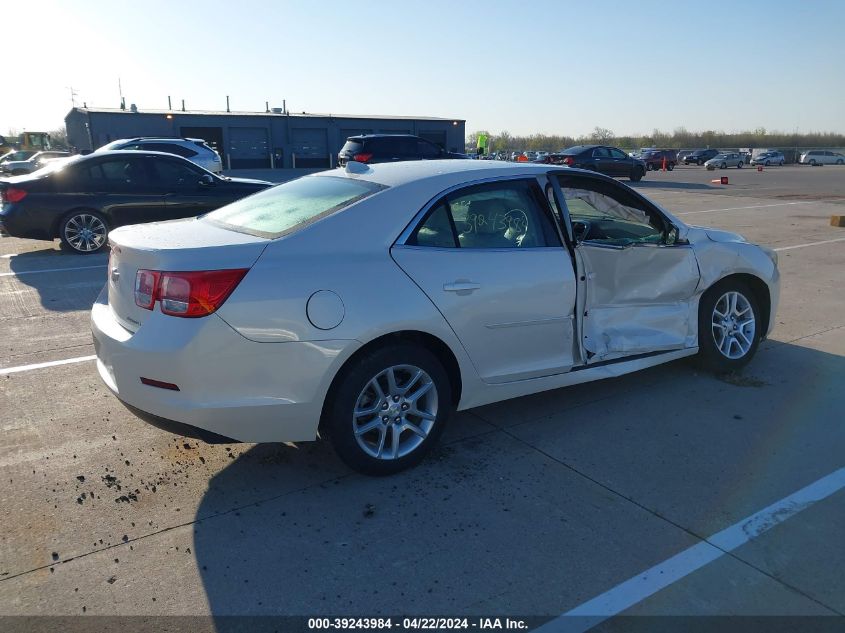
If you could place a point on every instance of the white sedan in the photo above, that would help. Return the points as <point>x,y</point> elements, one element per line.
<point>369,303</point>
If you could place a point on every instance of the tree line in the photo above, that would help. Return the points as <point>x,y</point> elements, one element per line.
<point>680,138</point>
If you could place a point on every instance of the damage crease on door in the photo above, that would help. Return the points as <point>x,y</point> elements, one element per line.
<point>638,299</point>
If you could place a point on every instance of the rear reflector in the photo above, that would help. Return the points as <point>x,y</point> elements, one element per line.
<point>186,294</point>
<point>14,194</point>
<point>160,384</point>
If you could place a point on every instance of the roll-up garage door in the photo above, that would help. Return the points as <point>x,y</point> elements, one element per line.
<point>310,145</point>
<point>248,148</point>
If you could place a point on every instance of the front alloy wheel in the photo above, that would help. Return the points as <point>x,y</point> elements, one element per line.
<point>733,325</point>
<point>729,326</point>
<point>84,232</point>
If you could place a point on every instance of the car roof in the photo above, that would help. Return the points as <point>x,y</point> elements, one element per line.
<point>447,171</point>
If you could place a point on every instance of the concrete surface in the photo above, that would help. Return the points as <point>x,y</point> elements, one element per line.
<point>530,507</point>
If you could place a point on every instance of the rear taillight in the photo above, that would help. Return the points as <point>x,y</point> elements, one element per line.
<point>186,294</point>
<point>146,283</point>
<point>363,157</point>
<point>568,160</point>
<point>14,194</point>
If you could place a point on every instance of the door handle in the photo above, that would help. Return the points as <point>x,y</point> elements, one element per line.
<point>461,287</point>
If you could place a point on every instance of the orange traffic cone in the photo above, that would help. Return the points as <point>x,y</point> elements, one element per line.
<point>664,163</point>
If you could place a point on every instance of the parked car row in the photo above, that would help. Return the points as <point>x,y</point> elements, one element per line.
<point>36,160</point>
<point>83,198</point>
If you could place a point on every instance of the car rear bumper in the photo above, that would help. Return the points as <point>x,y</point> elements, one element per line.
<point>229,388</point>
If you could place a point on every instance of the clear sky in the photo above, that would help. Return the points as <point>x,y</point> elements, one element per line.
<point>530,66</point>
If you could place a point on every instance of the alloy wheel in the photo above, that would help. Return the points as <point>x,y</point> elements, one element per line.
<point>395,412</point>
<point>85,232</point>
<point>733,325</point>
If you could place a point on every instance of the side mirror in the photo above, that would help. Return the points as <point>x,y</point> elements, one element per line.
<point>672,235</point>
<point>206,180</point>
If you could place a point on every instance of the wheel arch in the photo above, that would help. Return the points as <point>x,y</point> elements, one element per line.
<point>428,341</point>
<point>761,291</point>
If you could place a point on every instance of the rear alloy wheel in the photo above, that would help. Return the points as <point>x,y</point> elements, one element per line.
<point>739,165</point>
<point>389,409</point>
<point>728,326</point>
<point>84,232</point>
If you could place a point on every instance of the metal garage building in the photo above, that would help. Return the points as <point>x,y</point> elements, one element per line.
<point>255,140</point>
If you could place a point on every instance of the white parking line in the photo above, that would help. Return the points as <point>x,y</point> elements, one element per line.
<point>755,206</point>
<point>645,584</point>
<point>52,363</point>
<point>789,248</point>
<point>50,270</point>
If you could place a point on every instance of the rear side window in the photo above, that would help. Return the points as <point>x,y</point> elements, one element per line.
<point>508,214</point>
<point>281,209</point>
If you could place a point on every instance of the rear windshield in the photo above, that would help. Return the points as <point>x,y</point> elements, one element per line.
<point>352,147</point>
<point>281,209</point>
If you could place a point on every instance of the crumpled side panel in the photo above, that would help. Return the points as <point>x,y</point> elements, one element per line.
<point>639,299</point>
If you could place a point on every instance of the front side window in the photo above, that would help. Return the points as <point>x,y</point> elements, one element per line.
<point>600,153</point>
<point>603,214</point>
<point>507,214</point>
<point>295,204</point>
<point>616,153</point>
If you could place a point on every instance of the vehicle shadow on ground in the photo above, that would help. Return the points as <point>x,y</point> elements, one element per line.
<point>63,282</point>
<point>451,535</point>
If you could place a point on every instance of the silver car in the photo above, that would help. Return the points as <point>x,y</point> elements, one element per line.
<point>195,150</point>
<point>367,304</point>
<point>769,158</point>
<point>822,157</point>
<point>725,160</point>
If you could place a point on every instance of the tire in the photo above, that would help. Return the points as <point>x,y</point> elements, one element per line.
<point>839,162</point>
<point>648,167</point>
<point>636,174</point>
<point>739,165</point>
<point>813,162</point>
<point>373,451</point>
<point>723,166</point>
<point>84,232</point>
<point>716,334</point>
<point>670,166</point>
<point>767,163</point>
<point>781,163</point>
<point>700,163</point>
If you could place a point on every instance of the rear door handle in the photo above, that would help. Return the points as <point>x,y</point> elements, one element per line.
<point>461,287</point>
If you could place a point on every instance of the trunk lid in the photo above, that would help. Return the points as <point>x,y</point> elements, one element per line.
<point>178,245</point>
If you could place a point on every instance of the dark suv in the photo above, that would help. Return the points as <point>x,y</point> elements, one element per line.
<point>700,156</point>
<point>653,159</point>
<point>387,148</point>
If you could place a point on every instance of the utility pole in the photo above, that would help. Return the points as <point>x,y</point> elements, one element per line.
<point>73,95</point>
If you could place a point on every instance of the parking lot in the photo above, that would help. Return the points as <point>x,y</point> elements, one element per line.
<point>604,498</point>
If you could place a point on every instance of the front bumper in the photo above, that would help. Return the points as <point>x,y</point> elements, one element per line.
<point>229,387</point>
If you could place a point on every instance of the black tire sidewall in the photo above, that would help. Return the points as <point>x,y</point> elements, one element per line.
<point>66,245</point>
<point>637,174</point>
<point>337,421</point>
<point>709,355</point>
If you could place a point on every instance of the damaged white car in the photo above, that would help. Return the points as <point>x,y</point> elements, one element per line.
<point>367,304</point>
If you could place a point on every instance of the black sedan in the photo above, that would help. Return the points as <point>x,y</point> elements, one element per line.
<point>602,158</point>
<point>81,199</point>
<point>700,156</point>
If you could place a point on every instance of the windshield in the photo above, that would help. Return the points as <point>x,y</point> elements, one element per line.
<point>279,210</point>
